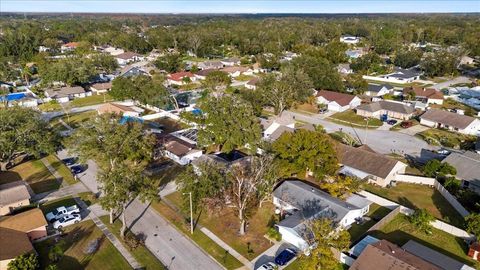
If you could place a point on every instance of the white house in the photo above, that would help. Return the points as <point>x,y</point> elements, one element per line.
<point>337,102</point>
<point>400,76</point>
<point>65,94</point>
<point>426,95</point>
<point>210,65</point>
<point>101,88</point>
<point>298,201</point>
<point>364,163</point>
<point>252,83</point>
<point>237,71</point>
<point>275,126</point>
<point>230,62</point>
<point>113,51</point>
<point>451,121</point>
<point>128,57</point>
<point>349,39</point>
<point>68,47</point>
<point>375,90</point>
<point>180,151</point>
<point>344,69</point>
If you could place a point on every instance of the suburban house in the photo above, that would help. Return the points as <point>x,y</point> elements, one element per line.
<point>344,69</point>
<point>23,99</point>
<point>65,94</point>
<point>180,146</point>
<point>378,90</point>
<point>13,195</point>
<point>366,164</point>
<point>466,60</point>
<point>386,255</point>
<point>451,121</point>
<point>68,47</point>
<point>222,160</point>
<point>275,126</point>
<point>252,83</point>
<point>434,257</point>
<point>31,222</point>
<point>349,39</point>
<point>113,51</point>
<point>337,102</point>
<point>127,57</point>
<point>288,56</point>
<point>13,243</point>
<point>468,168</point>
<point>130,71</point>
<point>202,74</point>
<point>181,78</point>
<point>119,109</point>
<point>381,108</point>
<point>101,88</point>
<point>230,62</point>
<point>298,202</point>
<point>210,65</point>
<point>399,75</point>
<point>426,95</point>
<point>354,53</point>
<point>235,71</point>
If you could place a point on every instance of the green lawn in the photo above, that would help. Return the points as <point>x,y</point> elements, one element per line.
<point>34,173</point>
<point>420,196</point>
<point>349,116</point>
<point>295,265</point>
<point>376,213</point>
<point>91,100</point>
<point>244,78</point>
<point>141,253</point>
<point>400,230</point>
<point>448,139</point>
<point>344,138</point>
<point>50,106</point>
<point>77,239</point>
<point>213,249</point>
<point>63,170</point>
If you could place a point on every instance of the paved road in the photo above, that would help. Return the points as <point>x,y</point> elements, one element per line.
<point>88,177</point>
<point>457,80</point>
<point>382,141</point>
<point>49,115</point>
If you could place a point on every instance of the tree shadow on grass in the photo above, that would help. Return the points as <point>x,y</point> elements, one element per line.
<point>9,176</point>
<point>407,203</point>
<point>447,211</point>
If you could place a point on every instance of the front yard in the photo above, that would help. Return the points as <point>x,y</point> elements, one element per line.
<point>62,169</point>
<point>447,139</point>
<point>400,230</point>
<point>91,100</point>
<point>34,173</point>
<point>420,196</point>
<point>350,117</point>
<point>84,247</point>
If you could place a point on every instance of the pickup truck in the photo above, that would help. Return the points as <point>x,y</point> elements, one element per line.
<point>62,211</point>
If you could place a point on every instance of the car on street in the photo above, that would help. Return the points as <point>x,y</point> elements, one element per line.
<point>391,122</point>
<point>70,161</point>
<point>78,169</point>
<point>67,220</point>
<point>406,124</point>
<point>62,211</point>
<point>267,266</point>
<point>285,256</point>
<point>443,152</point>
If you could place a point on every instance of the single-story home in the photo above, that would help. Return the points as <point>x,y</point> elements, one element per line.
<point>452,121</point>
<point>392,109</point>
<point>23,99</point>
<point>222,160</point>
<point>13,195</point>
<point>399,75</point>
<point>366,164</point>
<point>386,255</point>
<point>70,46</point>
<point>100,88</point>
<point>467,165</point>
<point>354,53</point>
<point>179,146</point>
<point>13,243</point>
<point>113,51</point>
<point>180,78</point>
<point>271,126</point>
<point>337,102</point>
<point>350,39</point>
<point>65,94</point>
<point>128,57</point>
<point>119,109</point>
<point>288,56</point>
<point>202,74</point>
<point>466,60</point>
<point>344,69</point>
<point>235,71</point>
<point>31,222</point>
<point>426,95</point>
<point>230,62</point>
<point>130,71</point>
<point>252,83</point>
<point>210,65</point>
<point>298,202</point>
<point>378,90</point>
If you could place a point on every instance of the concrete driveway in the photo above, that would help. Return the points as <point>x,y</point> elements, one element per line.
<point>413,130</point>
<point>457,80</point>
<point>270,254</point>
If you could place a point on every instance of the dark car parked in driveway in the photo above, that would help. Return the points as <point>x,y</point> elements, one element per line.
<point>70,161</point>
<point>285,256</point>
<point>78,169</point>
<point>391,122</point>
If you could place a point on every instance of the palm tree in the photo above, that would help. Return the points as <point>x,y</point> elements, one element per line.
<point>26,74</point>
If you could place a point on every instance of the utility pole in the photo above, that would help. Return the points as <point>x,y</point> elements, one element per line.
<point>191,211</point>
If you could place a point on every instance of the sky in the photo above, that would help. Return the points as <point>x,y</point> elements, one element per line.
<point>241,6</point>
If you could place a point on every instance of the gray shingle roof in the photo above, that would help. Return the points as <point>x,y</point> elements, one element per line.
<point>467,165</point>
<point>388,106</point>
<point>448,118</point>
<point>64,91</point>
<point>376,88</point>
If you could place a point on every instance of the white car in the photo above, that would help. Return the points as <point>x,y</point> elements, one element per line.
<point>268,266</point>
<point>67,220</point>
<point>62,211</point>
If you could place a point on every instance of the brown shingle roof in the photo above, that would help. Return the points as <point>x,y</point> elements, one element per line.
<point>13,243</point>
<point>64,91</point>
<point>114,108</point>
<point>388,106</point>
<point>235,69</point>
<point>13,192</point>
<point>25,221</point>
<point>177,146</point>
<point>253,81</point>
<point>102,86</point>
<point>385,255</point>
<point>424,92</point>
<point>365,160</point>
<point>127,55</point>
<point>341,98</point>
<point>204,72</point>
<point>448,118</point>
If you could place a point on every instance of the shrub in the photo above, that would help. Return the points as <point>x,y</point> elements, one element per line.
<point>274,234</point>
<point>133,241</point>
<point>56,252</point>
<point>421,218</point>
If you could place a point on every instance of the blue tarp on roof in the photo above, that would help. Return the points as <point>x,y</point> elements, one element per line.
<point>13,96</point>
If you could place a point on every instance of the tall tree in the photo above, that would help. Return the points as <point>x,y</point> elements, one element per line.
<point>440,63</point>
<point>473,224</point>
<point>24,262</point>
<point>23,131</point>
<point>170,62</point>
<point>305,150</point>
<point>421,218</point>
<point>321,72</point>
<point>341,186</point>
<point>217,80</point>
<point>356,83</point>
<point>408,59</point>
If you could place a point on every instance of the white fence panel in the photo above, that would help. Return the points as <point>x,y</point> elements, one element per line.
<point>451,199</point>
<point>378,200</point>
<point>415,179</point>
<point>452,230</point>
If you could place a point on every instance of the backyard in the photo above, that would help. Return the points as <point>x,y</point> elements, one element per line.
<point>420,196</point>
<point>34,173</point>
<point>85,247</point>
<point>375,214</point>
<point>73,120</point>
<point>91,100</point>
<point>400,230</point>
<point>350,117</point>
<point>447,139</point>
